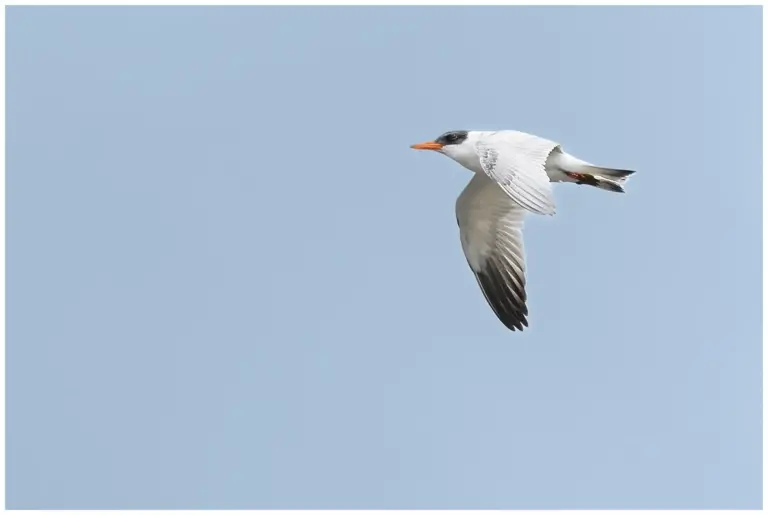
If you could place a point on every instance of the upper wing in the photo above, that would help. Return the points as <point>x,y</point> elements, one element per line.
<point>491,227</point>
<point>516,161</point>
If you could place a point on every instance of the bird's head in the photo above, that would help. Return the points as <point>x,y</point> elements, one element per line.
<point>454,144</point>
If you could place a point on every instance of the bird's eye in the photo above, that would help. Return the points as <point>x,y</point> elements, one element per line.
<point>451,137</point>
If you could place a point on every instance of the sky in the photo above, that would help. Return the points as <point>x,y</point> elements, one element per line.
<point>232,284</point>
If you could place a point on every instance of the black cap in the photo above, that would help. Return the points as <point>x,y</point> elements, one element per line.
<point>452,138</point>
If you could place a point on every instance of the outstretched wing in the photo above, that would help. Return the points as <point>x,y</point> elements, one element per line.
<point>491,228</point>
<point>516,161</point>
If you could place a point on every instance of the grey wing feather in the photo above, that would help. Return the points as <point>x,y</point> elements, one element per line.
<point>516,161</point>
<point>491,236</point>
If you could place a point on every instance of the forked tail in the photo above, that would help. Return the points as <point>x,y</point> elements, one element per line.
<point>609,179</point>
<point>581,172</point>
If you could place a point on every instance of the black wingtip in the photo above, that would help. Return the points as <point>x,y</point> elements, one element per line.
<point>507,300</point>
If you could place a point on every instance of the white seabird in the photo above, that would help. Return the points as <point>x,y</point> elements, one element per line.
<point>513,175</point>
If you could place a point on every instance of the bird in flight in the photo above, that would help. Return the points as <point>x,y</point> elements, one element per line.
<point>513,175</point>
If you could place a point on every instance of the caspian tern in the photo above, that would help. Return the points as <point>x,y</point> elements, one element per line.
<point>513,175</point>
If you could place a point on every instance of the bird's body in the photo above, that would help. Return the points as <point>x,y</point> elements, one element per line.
<point>513,175</point>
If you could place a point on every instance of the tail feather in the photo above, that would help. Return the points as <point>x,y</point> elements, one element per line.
<point>597,182</point>
<point>608,184</point>
<point>573,165</point>
<point>612,174</point>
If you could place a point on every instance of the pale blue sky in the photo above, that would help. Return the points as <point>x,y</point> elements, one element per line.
<point>231,284</point>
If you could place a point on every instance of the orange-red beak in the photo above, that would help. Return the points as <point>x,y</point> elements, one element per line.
<point>429,145</point>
